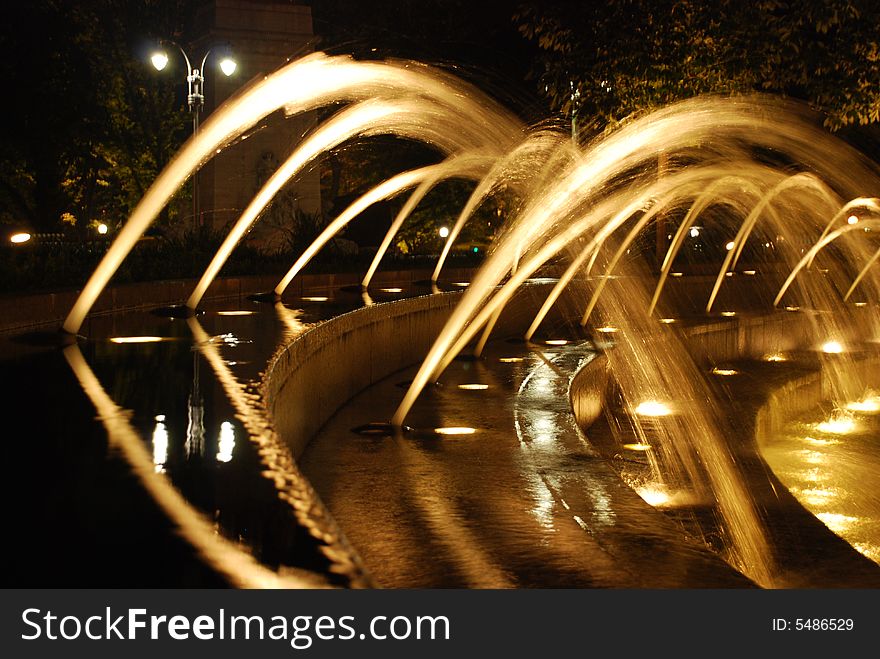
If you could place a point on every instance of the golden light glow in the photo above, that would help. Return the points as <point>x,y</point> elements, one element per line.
<point>792,308</point>
<point>729,274</point>
<point>315,298</point>
<point>236,313</point>
<point>832,347</point>
<point>556,342</point>
<point>724,371</point>
<point>510,360</point>
<point>19,238</point>
<point>444,232</point>
<point>102,229</point>
<point>607,330</point>
<point>637,447</point>
<point>815,441</point>
<point>837,522</point>
<point>852,219</point>
<point>473,386</point>
<point>136,339</point>
<point>653,495</point>
<point>676,274</point>
<point>462,284</point>
<point>861,304</point>
<point>775,357</point>
<point>870,404</point>
<point>391,290</point>
<point>455,430</point>
<point>667,321</point>
<point>652,408</point>
<point>729,246</point>
<point>837,425</point>
<point>749,272</point>
<point>728,313</point>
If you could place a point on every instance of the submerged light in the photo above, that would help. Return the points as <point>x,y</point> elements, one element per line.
<point>455,430</point>
<point>832,347</point>
<point>652,408</point>
<point>136,339</point>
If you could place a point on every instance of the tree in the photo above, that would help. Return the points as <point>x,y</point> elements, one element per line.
<point>607,60</point>
<point>87,127</point>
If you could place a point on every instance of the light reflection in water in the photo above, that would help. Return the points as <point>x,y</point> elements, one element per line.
<point>225,442</point>
<point>236,313</point>
<point>160,446</point>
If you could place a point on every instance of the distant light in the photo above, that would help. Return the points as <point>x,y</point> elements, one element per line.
<point>236,313</point>
<point>228,66</point>
<point>160,417</point>
<point>728,314</point>
<point>667,321</point>
<point>637,447</point>
<point>832,347</point>
<point>454,430</point>
<point>652,408</point>
<point>556,342</point>
<point>159,60</point>
<point>695,232</point>
<point>729,246</point>
<point>792,308</point>
<point>607,330</point>
<point>728,274</point>
<point>852,219</point>
<point>391,290</point>
<point>317,298</point>
<point>510,360</point>
<point>136,339</point>
<point>724,371</point>
<point>462,284</point>
<point>19,238</point>
<point>444,232</point>
<point>861,304</point>
<point>473,386</point>
<point>102,228</point>
<point>476,249</point>
<point>676,274</point>
<point>775,357</point>
<point>749,272</point>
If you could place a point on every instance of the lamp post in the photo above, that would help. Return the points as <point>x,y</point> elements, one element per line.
<point>195,100</point>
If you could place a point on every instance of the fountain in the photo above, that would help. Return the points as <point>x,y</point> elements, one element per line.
<point>755,175</point>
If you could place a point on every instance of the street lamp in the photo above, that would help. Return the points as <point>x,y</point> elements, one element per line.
<point>195,99</point>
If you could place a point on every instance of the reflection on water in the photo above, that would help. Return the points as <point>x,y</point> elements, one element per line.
<point>225,442</point>
<point>830,466</point>
<point>522,502</point>
<point>160,447</point>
